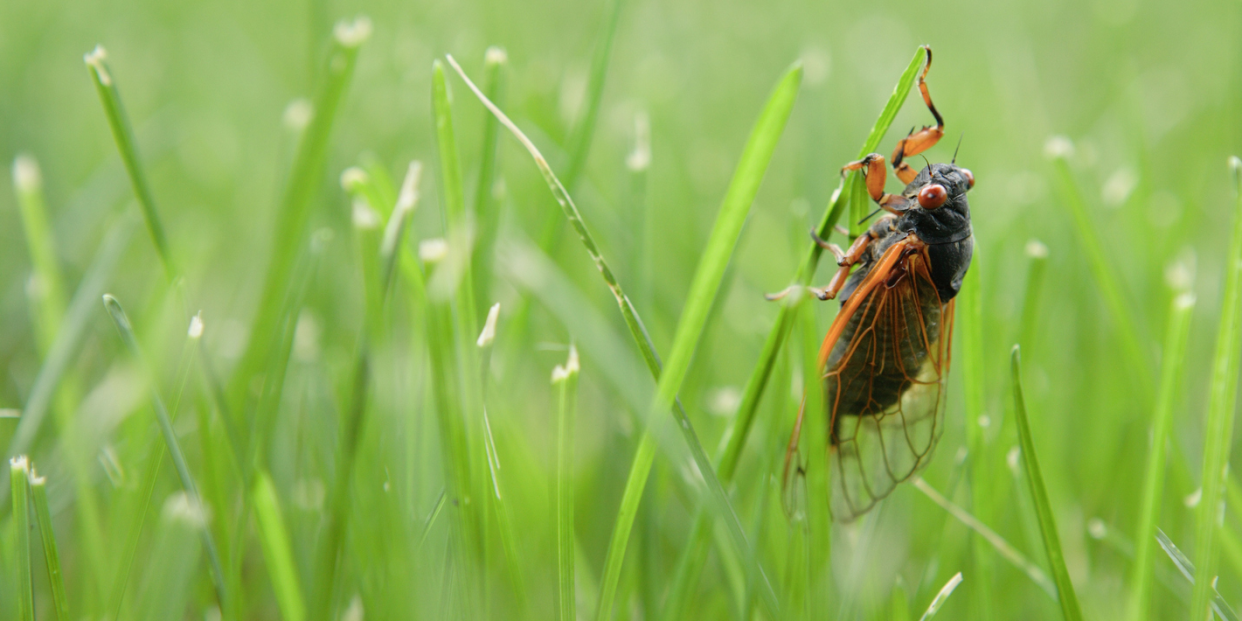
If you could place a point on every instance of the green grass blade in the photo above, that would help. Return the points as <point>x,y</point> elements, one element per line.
<point>566,378</point>
<point>55,575</point>
<point>633,322</point>
<point>486,200</point>
<point>942,596</point>
<point>124,327</point>
<point>19,470</point>
<point>293,212</point>
<point>1223,397</point>
<point>970,311</point>
<point>715,258</point>
<point>739,429</point>
<point>1003,547</point>
<point>1105,276</point>
<point>277,551</point>
<point>1171,369</point>
<point>97,63</point>
<point>1038,254</point>
<point>580,141</point>
<point>1043,508</point>
<point>48,313</point>
<point>65,348</point>
<point>49,293</point>
<point>1187,570</point>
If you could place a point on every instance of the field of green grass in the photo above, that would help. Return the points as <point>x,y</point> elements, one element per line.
<point>293,326</point>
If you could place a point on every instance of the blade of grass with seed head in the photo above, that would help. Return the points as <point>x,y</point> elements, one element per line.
<point>124,327</point>
<point>566,379</point>
<point>55,575</point>
<point>293,212</point>
<point>123,133</point>
<point>782,98</point>
<point>1171,367</point>
<point>1043,508</point>
<point>19,470</point>
<point>739,428</point>
<point>1223,397</point>
<point>1187,570</point>
<point>277,551</point>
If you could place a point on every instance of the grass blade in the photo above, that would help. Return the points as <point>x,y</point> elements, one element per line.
<point>55,576</point>
<point>566,378</point>
<point>633,322</point>
<point>277,551</point>
<point>1003,547</point>
<point>294,210</point>
<point>65,348</point>
<point>19,470</point>
<point>126,331</point>
<point>1218,432</point>
<point>740,426</point>
<point>1043,508</point>
<point>1175,341</point>
<point>703,289</point>
<point>486,200</point>
<point>942,596</point>
<point>123,134</point>
<point>49,294</point>
<point>1187,570</point>
<point>973,380</point>
<point>1059,149</point>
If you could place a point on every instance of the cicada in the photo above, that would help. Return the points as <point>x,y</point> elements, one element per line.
<point>886,357</point>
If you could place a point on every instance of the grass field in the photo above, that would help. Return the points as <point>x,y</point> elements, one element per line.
<point>249,257</point>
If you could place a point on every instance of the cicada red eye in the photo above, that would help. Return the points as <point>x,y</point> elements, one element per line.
<point>932,196</point>
<point>970,177</point>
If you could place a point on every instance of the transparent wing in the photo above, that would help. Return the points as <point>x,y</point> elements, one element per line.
<point>885,361</point>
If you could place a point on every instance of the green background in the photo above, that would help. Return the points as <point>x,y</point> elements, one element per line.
<point>1147,92</point>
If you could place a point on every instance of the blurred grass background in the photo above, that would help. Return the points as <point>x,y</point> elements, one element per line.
<point>1145,94</point>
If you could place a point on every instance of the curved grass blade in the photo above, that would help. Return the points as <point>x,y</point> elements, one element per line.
<point>942,596</point>
<point>690,564</point>
<point>1218,432</point>
<point>97,63</point>
<point>773,119</point>
<point>1172,366</point>
<point>1187,569</point>
<point>1043,508</point>
<point>1003,547</point>
<point>126,331</point>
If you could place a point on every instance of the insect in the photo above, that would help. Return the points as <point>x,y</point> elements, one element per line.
<point>886,357</point>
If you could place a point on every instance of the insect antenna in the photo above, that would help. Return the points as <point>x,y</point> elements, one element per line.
<point>927,161</point>
<point>959,146</point>
<point>870,215</point>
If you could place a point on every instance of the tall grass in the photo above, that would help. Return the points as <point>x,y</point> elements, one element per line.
<point>350,439</point>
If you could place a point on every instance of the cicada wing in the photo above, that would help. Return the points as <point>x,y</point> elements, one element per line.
<point>884,380</point>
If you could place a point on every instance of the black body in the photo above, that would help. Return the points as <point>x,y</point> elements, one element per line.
<point>878,370</point>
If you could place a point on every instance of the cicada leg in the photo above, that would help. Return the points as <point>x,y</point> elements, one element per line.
<point>918,142</point>
<point>845,260</point>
